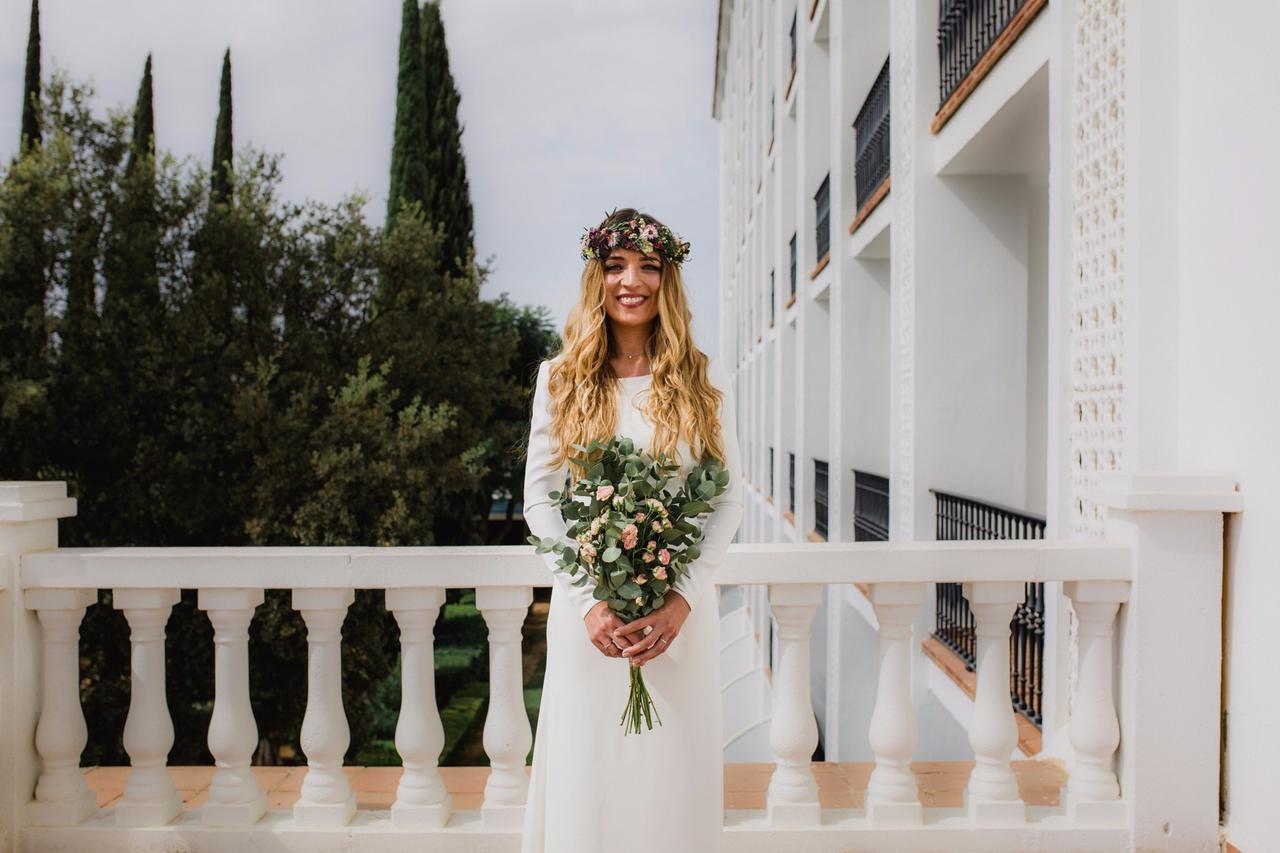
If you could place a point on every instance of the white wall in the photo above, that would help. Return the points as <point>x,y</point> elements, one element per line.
<point>1228,360</point>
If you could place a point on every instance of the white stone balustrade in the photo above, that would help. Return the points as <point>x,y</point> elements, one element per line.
<point>326,800</point>
<point>150,798</point>
<point>992,795</point>
<point>1156,582</point>
<point>235,798</point>
<point>892,797</point>
<point>793,732</point>
<point>61,798</point>
<point>507,735</point>
<point>421,798</point>
<point>1093,792</point>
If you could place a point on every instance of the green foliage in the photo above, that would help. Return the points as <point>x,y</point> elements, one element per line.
<point>448,198</point>
<point>222,144</point>
<point>245,372</point>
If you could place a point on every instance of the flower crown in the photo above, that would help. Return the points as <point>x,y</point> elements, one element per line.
<point>638,234</point>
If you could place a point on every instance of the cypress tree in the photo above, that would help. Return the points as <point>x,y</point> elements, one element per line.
<point>144,121</point>
<point>129,267</point>
<point>222,149</point>
<point>450,200</point>
<point>410,178</point>
<point>31,85</point>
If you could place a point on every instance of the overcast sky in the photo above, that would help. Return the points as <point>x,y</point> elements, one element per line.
<point>570,108</point>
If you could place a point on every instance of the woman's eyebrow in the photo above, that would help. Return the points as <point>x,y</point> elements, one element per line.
<point>621,258</point>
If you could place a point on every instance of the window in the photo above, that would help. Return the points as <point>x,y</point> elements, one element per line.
<point>820,497</point>
<point>793,264</point>
<point>822,216</point>
<point>791,483</point>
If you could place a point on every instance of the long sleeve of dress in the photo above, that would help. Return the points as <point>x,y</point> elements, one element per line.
<point>722,524</point>
<point>540,512</point>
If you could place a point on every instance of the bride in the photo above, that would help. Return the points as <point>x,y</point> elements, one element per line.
<point>628,366</point>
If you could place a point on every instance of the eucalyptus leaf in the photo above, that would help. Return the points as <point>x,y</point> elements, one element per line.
<point>611,554</point>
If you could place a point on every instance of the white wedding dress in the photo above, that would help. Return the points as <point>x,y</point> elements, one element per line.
<point>594,789</point>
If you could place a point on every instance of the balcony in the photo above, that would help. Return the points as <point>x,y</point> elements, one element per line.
<point>871,154</point>
<point>1154,585</point>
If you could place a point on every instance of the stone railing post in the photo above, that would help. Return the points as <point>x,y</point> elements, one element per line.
<point>992,795</point>
<point>422,801</point>
<point>507,733</point>
<point>29,513</point>
<point>326,800</point>
<point>892,795</point>
<point>1171,652</point>
<point>235,797</point>
<point>62,797</point>
<point>150,797</point>
<point>793,732</point>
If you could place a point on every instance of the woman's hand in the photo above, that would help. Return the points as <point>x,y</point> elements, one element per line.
<point>667,621</point>
<point>602,622</point>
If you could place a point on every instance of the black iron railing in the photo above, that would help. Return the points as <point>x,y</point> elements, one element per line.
<point>822,217</point>
<point>871,139</point>
<point>791,483</point>
<point>959,517</point>
<point>966,29</point>
<point>820,486</point>
<point>773,115</point>
<point>793,264</point>
<point>870,507</point>
<point>770,472</point>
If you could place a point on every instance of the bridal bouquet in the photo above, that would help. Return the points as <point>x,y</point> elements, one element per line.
<point>635,539</point>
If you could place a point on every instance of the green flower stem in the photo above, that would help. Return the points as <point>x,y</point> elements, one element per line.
<point>639,704</point>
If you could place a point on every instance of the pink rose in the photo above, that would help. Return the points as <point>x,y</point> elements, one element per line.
<point>641,578</point>
<point>660,573</point>
<point>647,557</point>
<point>639,516</point>
<point>657,526</point>
<point>629,536</point>
<point>603,492</point>
<point>664,556</point>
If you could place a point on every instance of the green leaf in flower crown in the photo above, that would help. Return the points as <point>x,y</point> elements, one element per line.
<point>611,554</point>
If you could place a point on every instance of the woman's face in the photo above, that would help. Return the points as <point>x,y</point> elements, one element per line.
<point>631,282</point>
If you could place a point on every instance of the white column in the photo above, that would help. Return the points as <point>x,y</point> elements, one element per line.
<point>992,796</point>
<point>892,796</point>
<point>62,798</point>
<point>150,798</point>
<point>326,800</point>
<point>793,730</point>
<point>1093,792</point>
<point>1171,626</point>
<point>507,734</point>
<point>29,513</point>
<point>422,801</point>
<point>235,798</point>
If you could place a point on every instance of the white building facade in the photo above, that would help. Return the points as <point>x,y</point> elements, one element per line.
<point>974,256</point>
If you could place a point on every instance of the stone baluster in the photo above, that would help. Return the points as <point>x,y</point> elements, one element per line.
<point>422,801</point>
<point>1093,792</point>
<point>150,798</point>
<point>235,798</point>
<point>507,734</point>
<point>326,799</point>
<point>793,731</point>
<point>992,795</point>
<point>62,798</point>
<point>892,796</point>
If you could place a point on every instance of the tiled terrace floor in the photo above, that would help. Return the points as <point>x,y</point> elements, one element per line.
<point>840,784</point>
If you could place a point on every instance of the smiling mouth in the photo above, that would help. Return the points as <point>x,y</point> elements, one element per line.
<point>631,301</point>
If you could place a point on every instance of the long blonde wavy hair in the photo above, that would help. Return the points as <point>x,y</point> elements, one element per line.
<point>584,392</point>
